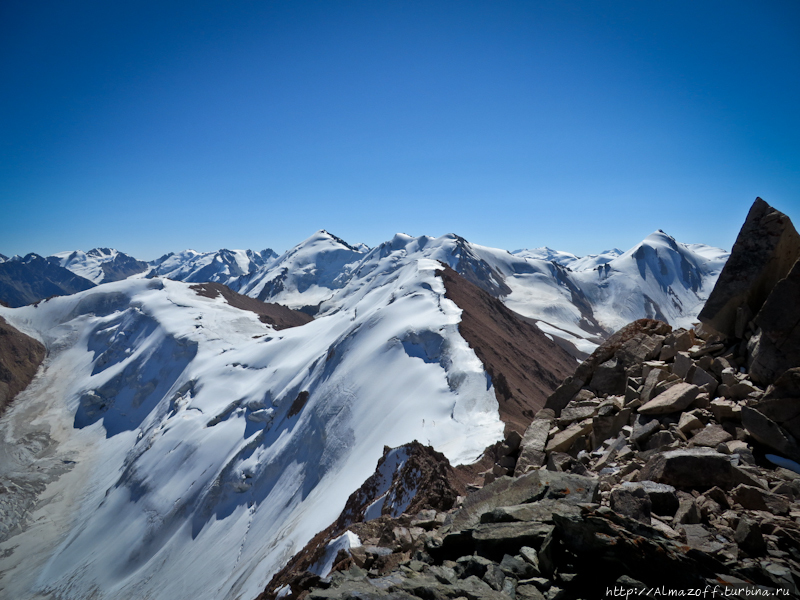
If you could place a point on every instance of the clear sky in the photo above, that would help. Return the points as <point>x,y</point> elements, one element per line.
<point>158,126</point>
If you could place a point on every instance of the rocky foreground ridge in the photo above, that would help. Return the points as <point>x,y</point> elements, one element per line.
<point>667,462</point>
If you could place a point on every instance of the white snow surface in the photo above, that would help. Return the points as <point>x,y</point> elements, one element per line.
<point>582,302</point>
<point>223,266</point>
<point>344,542</point>
<point>87,264</point>
<point>177,491</point>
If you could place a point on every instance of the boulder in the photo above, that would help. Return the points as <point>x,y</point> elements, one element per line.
<point>537,485</point>
<point>699,468</point>
<point>632,501</point>
<point>748,536</point>
<point>765,250</point>
<point>532,454</point>
<point>758,499</point>
<point>663,497</point>
<point>563,440</point>
<point>675,399</point>
<point>710,436</point>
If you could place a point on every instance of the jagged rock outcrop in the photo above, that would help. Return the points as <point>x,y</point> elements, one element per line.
<point>764,252</point>
<point>20,357</point>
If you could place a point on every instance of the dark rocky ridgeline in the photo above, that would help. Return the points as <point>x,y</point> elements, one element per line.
<point>277,315</point>
<point>33,278</point>
<point>668,460</point>
<point>20,357</point>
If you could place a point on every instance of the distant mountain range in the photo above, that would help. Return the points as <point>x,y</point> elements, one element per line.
<point>180,443</point>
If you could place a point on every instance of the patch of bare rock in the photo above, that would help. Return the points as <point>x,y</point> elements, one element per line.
<point>277,315</point>
<point>20,357</point>
<point>668,460</point>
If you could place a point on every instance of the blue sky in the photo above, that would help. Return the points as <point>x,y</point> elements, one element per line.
<point>158,126</point>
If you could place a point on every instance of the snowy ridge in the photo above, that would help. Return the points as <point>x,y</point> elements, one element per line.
<point>99,265</point>
<point>223,266</point>
<point>226,446</point>
<point>307,274</point>
<point>657,278</point>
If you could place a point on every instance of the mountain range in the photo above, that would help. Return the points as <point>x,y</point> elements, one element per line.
<point>183,439</point>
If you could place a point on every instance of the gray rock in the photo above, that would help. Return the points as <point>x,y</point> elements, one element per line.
<point>700,468</point>
<point>496,539</point>
<point>564,440</point>
<point>516,567</point>
<point>541,511</point>
<point>663,497</point>
<point>644,427</point>
<point>748,536</point>
<point>533,444</point>
<point>688,512</point>
<point>778,321</point>
<point>683,365</point>
<point>781,403</point>
<point>537,485</point>
<point>632,501</point>
<point>675,399</point>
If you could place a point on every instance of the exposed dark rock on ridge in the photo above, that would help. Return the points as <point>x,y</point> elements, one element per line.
<point>20,357</point>
<point>277,315</point>
<point>33,278</point>
<point>524,364</point>
<point>764,252</point>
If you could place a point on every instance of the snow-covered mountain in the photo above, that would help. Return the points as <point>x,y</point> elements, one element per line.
<point>229,267</point>
<point>3,258</point>
<point>658,278</point>
<point>99,265</point>
<point>307,274</point>
<point>181,431</point>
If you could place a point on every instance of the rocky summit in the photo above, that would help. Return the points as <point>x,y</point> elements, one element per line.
<point>667,464</point>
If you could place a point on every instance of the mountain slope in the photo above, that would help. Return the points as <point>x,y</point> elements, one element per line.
<point>28,279</point>
<point>195,436</point>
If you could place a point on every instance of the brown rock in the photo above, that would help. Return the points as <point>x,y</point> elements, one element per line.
<point>757,499</point>
<point>20,357</point>
<point>710,436</point>
<point>675,399</point>
<point>563,440</point>
<point>765,250</point>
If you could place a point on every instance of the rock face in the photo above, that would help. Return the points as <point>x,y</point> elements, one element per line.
<point>20,357</point>
<point>764,252</point>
